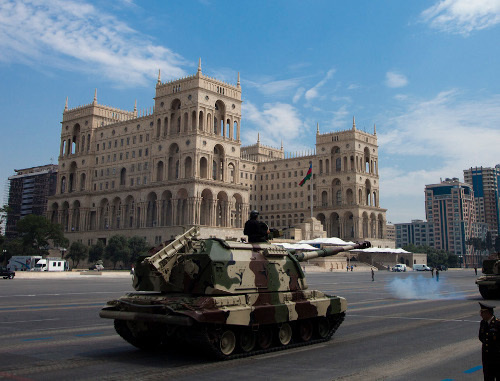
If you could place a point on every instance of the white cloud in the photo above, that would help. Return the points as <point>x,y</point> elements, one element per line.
<point>281,87</point>
<point>394,80</point>
<point>276,122</point>
<point>449,133</point>
<point>75,36</point>
<point>462,16</point>
<point>314,91</point>
<point>298,94</point>
<point>339,118</point>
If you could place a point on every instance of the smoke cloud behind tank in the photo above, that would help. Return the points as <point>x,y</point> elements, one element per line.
<point>421,287</point>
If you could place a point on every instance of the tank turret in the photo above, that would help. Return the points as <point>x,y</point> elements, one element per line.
<point>489,282</point>
<point>230,298</point>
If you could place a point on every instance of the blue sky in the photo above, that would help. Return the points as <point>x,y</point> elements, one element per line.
<point>425,72</point>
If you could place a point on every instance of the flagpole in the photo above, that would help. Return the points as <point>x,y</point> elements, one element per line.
<point>312,182</point>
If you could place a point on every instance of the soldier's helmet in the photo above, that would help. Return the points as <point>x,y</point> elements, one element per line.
<point>254,214</point>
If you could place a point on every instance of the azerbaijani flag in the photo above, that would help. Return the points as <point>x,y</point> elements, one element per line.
<point>308,175</point>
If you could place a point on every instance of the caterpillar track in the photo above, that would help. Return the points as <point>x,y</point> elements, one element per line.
<point>232,342</point>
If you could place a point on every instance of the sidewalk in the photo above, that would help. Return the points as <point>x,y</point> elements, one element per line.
<point>71,274</point>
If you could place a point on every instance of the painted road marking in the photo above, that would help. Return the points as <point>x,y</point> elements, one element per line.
<point>39,338</point>
<point>25,321</point>
<point>472,370</point>
<point>468,371</point>
<point>69,293</point>
<point>413,318</point>
<point>89,334</point>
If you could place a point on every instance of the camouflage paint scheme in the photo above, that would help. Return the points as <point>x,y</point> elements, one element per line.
<point>218,283</point>
<point>489,282</point>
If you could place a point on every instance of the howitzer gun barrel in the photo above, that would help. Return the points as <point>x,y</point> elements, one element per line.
<point>329,251</point>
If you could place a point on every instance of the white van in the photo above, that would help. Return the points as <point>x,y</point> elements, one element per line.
<point>419,267</point>
<point>399,267</point>
<point>51,264</point>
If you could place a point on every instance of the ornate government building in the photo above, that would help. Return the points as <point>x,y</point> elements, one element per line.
<point>153,173</point>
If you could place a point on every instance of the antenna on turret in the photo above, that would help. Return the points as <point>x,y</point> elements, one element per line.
<point>66,105</point>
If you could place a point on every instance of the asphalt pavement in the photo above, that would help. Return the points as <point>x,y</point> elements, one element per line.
<point>401,326</point>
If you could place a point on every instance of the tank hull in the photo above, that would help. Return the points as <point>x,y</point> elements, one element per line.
<point>489,286</point>
<point>227,327</point>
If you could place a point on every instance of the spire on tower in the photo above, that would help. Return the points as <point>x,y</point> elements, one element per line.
<point>317,128</point>
<point>282,144</point>
<point>258,137</point>
<point>159,76</point>
<point>238,83</point>
<point>199,65</point>
<point>135,106</point>
<point>353,123</point>
<point>374,129</point>
<point>95,96</point>
<point>66,105</point>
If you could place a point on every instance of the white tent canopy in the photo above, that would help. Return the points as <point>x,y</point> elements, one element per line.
<point>327,241</point>
<point>382,250</point>
<point>297,246</point>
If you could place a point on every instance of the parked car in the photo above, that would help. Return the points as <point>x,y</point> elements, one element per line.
<point>6,273</point>
<point>420,267</point>
<point>399,267</point>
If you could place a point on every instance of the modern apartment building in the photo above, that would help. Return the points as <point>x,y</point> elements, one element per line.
<point>416,232</point>
<point>450,208</point>
<point>485,182</point>
<point>29,190</point>
<point>181,163</point>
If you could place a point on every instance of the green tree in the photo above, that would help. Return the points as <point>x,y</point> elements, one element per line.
<point>138,246</point>
<point>434,257</point>
<point>489,242</point>
<point>497,244</point>
<point>77,252</point>
<point>36,231</point>
<point>117,250</point>
<point>96,252</point>
<point>4,210</point>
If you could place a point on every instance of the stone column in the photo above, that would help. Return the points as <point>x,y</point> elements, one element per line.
<point>213,213</point>
<point>174,211</point>
<point>158,213</point>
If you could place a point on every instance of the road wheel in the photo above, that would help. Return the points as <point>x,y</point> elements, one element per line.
<point>11,276</point>
<point>285,334</point>
<point>322,327</point>
<point>265,337</point>
<point>227,342</point>
<point>247,339</point>
<point>306,330</point>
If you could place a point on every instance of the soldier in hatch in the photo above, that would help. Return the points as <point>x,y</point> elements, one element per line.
<point>257,231</point>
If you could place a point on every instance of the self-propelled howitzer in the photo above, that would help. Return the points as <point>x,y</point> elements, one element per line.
<point>489,282</point>
<point>230,298</point>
